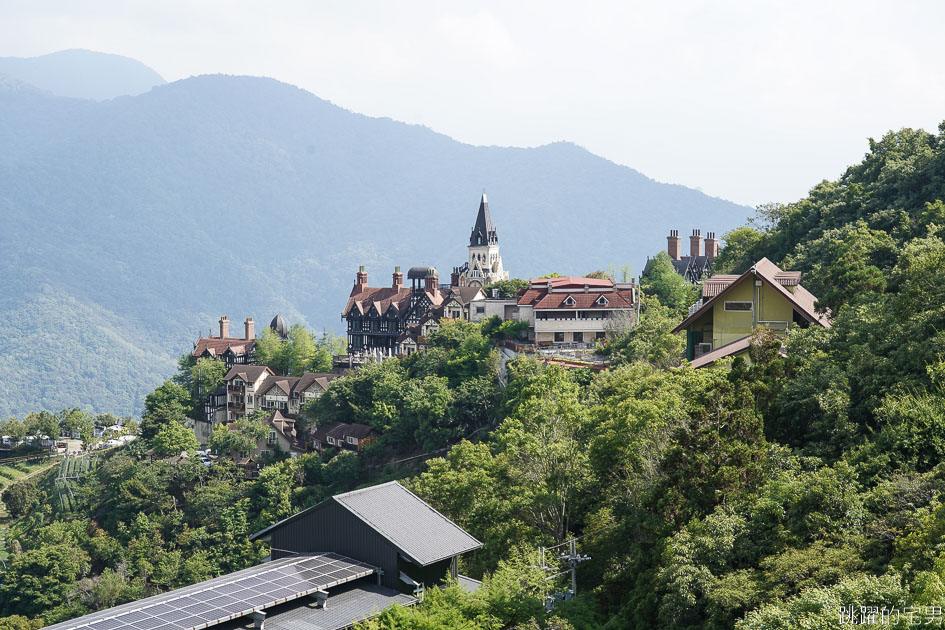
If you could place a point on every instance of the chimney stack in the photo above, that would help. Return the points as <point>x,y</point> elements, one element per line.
<point>431,283</point>
<point>695,243</point>
<point>249,329</point>
<point>711,245</point>
<point>398,280</point>
<point>672,244</point>
<point>224,327</point>
<point>454,278</point>
<point>361,278</point>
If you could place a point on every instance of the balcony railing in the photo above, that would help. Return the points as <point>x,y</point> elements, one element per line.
<point>233,406</point>
<point>236,389</point>
<point>695,307</point>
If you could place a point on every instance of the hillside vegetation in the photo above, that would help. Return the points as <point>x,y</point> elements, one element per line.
<point>778,493</point>
<point>131,225</point>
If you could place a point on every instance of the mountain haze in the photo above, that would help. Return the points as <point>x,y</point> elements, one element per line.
<point>82,74</point>
<point>132,224</point>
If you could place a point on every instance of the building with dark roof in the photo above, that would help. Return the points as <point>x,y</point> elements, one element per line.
<point>386,526</point>
<point>396,545</point>
<point>698,264</point>
<point>377,316</point>
<point>720,324</point>
<point>484,265</point>
<point>349,437</point>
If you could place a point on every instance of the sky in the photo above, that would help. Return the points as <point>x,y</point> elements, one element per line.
<point>754,102</point>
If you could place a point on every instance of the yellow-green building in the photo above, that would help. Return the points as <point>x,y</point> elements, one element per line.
<point>720,324</point>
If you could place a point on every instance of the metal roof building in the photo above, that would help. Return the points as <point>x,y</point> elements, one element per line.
<point>386,526</point>
<point>335,564</point>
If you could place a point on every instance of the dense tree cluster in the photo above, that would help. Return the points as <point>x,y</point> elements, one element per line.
<point>757,494</point>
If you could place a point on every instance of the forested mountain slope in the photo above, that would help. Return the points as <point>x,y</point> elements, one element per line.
<point>803,489</point>
<point>132,224</point>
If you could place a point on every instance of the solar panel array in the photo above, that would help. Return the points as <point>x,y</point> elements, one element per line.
<point>228,597</point>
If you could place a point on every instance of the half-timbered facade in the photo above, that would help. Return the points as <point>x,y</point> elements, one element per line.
<point>377,316</point>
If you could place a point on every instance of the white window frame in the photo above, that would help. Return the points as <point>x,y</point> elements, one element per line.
<point>569,301</point>
<point>352,439</point>
<point>750,308</point>
<point>603,301</point>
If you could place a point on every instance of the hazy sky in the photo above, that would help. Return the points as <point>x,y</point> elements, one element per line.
<point>751,101</point>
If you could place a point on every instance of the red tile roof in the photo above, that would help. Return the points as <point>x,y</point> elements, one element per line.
<point>216,346</point>
<point>552,293</point>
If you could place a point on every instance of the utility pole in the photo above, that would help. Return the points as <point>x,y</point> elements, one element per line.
<point>572,558</point>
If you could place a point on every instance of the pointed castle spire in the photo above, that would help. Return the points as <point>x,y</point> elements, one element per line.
<point>483,233</point>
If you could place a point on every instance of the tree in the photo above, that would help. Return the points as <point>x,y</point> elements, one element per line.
<point>652,340</point>
<point>38,580</point>
<point>238,438</point>
<point>272,350</point>
<point>174,439</point>
<point>205,376</point>
<point>742,249</point>
<point>16,429</point>
<point>20,497</point>
<point>671,289</point>
<point>505,288</point>
<point>168,403</point>
<point>43,424</point>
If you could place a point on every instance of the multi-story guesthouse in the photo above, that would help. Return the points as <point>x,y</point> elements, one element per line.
<point>484,265</point>
<point>575,310</point>
<point>720,324</point>
<point>698,264</point>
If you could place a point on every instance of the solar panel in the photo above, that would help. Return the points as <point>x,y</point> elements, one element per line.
<point>221,599</point>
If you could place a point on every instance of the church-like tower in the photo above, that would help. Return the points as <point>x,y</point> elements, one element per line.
<point>485,264</point>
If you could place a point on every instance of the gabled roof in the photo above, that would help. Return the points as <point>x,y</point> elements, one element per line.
<point>312,378</point>
<point>801,299</point>
<point>216,346</point>
<point>248,373</point>
<point>409,523</point>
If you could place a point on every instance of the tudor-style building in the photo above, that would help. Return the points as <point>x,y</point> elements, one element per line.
<point>720,324</point>
<point>485,264</point>
<point>232,350</point>
<point>698,264</point>
<point>377,316</point>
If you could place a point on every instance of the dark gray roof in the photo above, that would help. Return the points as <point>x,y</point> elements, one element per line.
<point>419,273</point>
<point>483,232</point>
<point>347,605</point>
<point>411,524</point>
<point>417,530</point>
<point>278,324</point>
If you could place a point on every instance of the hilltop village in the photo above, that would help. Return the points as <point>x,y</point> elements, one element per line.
<point>561,320</point>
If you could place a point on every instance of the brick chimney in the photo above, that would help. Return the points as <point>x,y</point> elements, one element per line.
<point>711,245</point>
<point>431,283</point>
<point>672,244</point>
<point>454,278</point>
<point>695,243</point>
<point>224,327</point>
<point>398,280</point>
<point>361,279</point>
<point>249,329</point>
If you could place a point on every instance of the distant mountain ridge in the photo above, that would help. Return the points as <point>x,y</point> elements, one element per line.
<point>83,74</point>
<point>133,224</point>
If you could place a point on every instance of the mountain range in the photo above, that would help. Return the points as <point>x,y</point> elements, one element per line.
<point>133,221</point>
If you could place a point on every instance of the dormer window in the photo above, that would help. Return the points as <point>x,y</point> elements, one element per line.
<point>601,301</point>
<point>569,301</point>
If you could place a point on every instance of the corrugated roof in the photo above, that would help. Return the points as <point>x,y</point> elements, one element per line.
<point>409,522</point>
